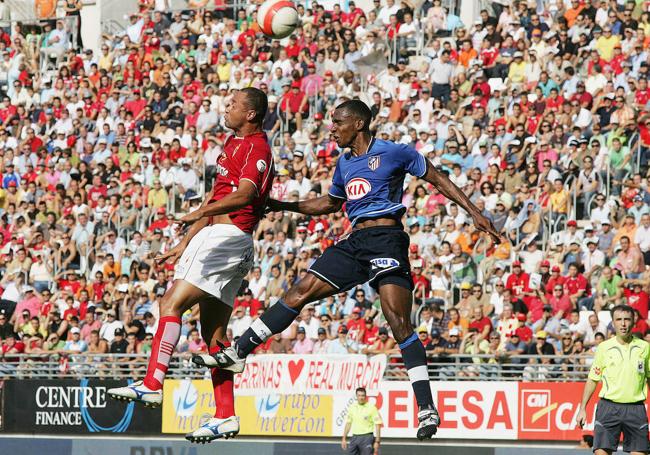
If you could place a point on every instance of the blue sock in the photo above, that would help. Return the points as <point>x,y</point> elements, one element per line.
<point>274,320</point>
<point>415,361</point>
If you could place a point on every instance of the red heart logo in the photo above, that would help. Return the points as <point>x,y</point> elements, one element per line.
<point>295,368</point>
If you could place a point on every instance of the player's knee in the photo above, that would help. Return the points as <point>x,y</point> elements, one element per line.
<point>172,305</point>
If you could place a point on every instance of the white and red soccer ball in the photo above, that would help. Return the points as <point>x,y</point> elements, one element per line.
<point>277,18</point>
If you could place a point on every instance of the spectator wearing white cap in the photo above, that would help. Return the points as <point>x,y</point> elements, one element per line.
<point>638,209</point>
<point>76,344</point>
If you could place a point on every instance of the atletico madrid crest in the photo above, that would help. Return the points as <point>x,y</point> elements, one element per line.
<point>373,162</point>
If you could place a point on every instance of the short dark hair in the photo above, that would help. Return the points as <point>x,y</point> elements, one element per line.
<point>361,389</point>
<point>624,309</point>
<point>257,101</point>
<point>358,109</point>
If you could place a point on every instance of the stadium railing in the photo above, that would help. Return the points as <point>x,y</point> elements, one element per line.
<point>483,367</point>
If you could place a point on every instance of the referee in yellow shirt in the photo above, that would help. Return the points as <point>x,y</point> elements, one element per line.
<point>622,363</point>
<point>363,419</point>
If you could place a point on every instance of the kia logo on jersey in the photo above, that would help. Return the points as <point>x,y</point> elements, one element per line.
<point>357,188</point>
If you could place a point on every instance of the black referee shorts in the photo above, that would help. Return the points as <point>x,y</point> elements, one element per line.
<point>612,419</point>
<point>376,254</point>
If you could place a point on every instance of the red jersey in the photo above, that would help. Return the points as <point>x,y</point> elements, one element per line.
<point>245,158</point>
<point>638,301</point>
<point>518,283</point>
<point>574,284</point>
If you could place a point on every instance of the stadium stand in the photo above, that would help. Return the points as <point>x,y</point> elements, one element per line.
<point>539,111</point>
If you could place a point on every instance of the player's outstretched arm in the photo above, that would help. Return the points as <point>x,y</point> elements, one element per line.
<point>245,194</point>
<point>451,191</point>
<point>316,206</point>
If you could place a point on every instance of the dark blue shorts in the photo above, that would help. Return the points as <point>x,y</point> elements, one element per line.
<point>378,255</point>
<point>612,419</point>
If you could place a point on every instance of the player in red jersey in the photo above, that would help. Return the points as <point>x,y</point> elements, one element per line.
<point>215,255</point>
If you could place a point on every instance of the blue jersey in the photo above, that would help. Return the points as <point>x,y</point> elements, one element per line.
<point>372,184</point>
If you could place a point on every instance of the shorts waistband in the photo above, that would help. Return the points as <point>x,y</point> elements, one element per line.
<point>364,434</point>
<point>227,227</point>
<point>398,227</point>
<point>628,404</point>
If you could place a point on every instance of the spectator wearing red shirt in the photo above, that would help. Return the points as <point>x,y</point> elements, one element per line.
<point>370,333</point>
<point>356,325</point>
<point>422,283</point>
<point>535,305</point>
<point>70,284</point>
<point>636,297</point>
<point>11,346</point>
<point>248,302</point>
<point>554,101</point>
<point>576,286</point>
<point>135,105</point>
<point>351,19</point>
<point>518,281</point>
<point>481,323</point>
<point>642,94</point>
<point>293,48</point>
<point>640,324</point>
<point>555,278</point>
<point>96,190</point>
<point>559,301</point>
<point>582,96</point>
<point>161,222</point>
<point>524,332</point>
<point>294,104</point>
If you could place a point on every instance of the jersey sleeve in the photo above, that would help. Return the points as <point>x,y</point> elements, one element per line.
<point>414,163</point>
<point>337,189</point>
<point>256,165</point>
<point>350,416</point>
<point>376,418</point>
<point>596,371</point>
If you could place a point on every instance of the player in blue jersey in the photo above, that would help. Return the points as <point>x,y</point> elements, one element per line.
<point>369,180</point>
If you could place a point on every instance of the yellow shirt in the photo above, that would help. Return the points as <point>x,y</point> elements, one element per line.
<point>105,62</point>
<point>516,72</point>
<point>623,370</point>
<point>157,199</point>
<point>605,46</point>
<point>560,202</point>
<point>224,71</point>
<point>363,418</point>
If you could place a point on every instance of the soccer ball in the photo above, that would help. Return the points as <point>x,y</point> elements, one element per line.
<point>277,18</point>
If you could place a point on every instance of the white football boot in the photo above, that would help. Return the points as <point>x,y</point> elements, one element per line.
<point>215,428</point>
<point>139,392</point>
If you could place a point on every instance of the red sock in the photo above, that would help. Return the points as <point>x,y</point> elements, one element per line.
<point>164,342</point>
<point>224,389</point>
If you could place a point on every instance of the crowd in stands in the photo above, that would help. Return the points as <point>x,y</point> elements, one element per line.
<point>539,111</point>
